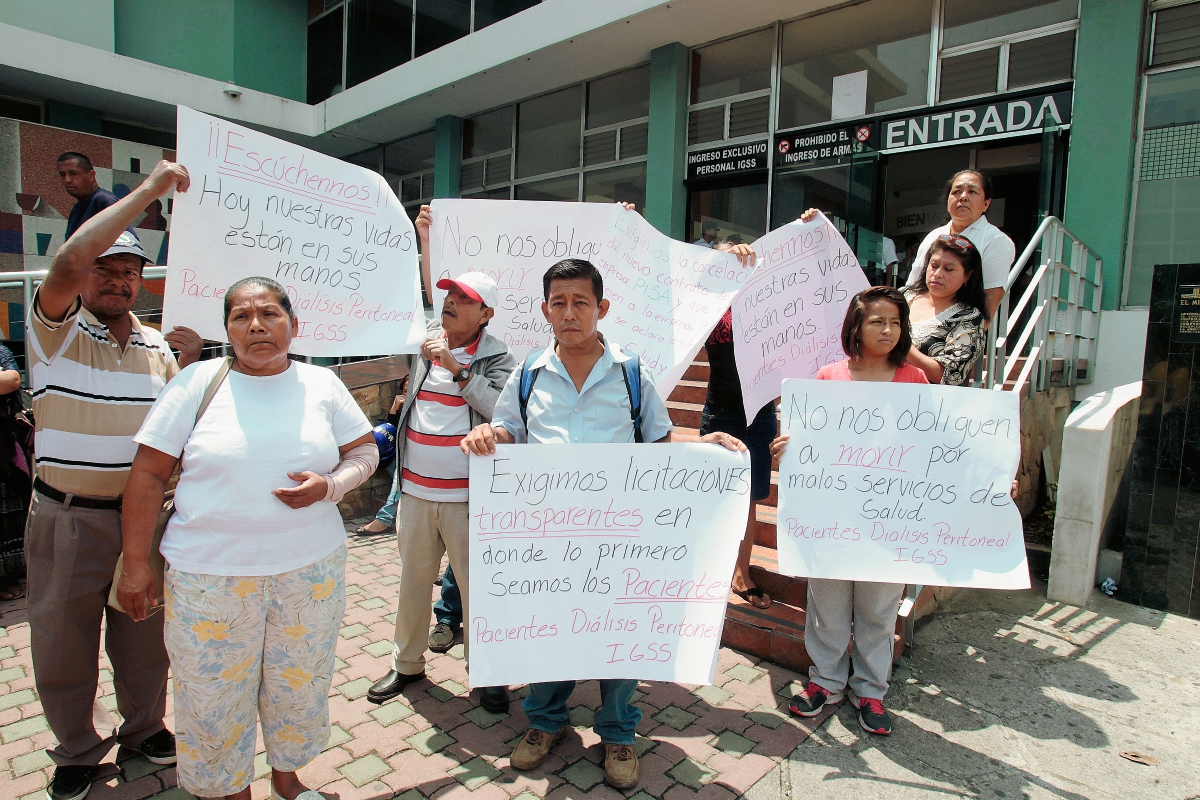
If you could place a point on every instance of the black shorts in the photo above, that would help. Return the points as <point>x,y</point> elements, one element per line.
<point>758,436</point>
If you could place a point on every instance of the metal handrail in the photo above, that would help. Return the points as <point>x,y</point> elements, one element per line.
<point>1054,318</point>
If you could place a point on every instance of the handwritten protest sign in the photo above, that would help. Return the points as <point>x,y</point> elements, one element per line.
<point>332,233</point>
<point>514,241</point>
<point>602,560</point>
<point>901,483</point>
<point>787,320</point>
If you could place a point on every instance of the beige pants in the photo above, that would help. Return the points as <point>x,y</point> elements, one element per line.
<point>427,530</point>
<point>71,553</point>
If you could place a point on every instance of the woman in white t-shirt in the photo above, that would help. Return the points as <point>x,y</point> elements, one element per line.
<point>255,552</point>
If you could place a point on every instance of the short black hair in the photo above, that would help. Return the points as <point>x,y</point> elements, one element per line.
<point>281,295</point>
<point>71,155</point>
<point>856,314</point>
<point>971,293</point>
<point>984,179</point>
<point>570,269</point>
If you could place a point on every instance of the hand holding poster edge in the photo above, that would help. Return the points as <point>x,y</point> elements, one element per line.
<point>331,232</point>
<point>901,483</point>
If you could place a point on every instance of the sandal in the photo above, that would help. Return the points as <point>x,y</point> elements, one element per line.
<point>755,597</point>
<point>12,593</point>
<point>361,530</point>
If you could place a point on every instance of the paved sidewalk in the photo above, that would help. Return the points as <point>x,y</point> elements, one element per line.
<point>711,742</point>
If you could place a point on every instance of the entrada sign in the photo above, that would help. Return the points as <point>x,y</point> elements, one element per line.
<point>984,121</point>
<point>732,160</point>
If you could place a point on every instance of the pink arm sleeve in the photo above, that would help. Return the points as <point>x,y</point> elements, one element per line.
<point>355,467</point>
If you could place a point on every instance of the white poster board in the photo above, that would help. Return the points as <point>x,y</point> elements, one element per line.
<point>787,320</point>
<point>602,560</point>
<point>332,233</point>
<point>900,483</point>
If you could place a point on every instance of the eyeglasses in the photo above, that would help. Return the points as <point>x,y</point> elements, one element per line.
<point>956,241</point>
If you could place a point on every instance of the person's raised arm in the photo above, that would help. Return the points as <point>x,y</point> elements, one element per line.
<point>139,590</point>
<point>424,220</point>
<point>73,261</point>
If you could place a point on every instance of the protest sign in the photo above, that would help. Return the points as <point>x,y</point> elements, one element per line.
<point>900,483</point>
<point>515,242</point>
<point>602,560</point>
<point>787,320</point>
<point>332,233</point>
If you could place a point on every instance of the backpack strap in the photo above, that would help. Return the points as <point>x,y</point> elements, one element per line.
<point>529,375</point>
<point>633,385</point>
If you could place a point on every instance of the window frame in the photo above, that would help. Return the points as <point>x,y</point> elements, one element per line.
<point>1004,43</point>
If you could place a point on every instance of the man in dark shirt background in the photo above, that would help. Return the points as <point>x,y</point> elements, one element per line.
<point>79,180</point>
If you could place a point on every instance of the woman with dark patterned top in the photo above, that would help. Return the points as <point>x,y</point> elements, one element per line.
<point>948,308</point>
<point>15,483</point>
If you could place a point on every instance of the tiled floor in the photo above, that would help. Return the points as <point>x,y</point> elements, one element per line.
<point>711,742</point>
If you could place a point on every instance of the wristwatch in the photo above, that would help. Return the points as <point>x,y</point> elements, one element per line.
<point>462,375</point>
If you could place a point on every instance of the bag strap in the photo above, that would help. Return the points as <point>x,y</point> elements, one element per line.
<point>632,370</point>
<point>529,376</point>
<point>213,386</point>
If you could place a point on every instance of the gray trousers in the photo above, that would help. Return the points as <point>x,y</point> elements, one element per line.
<point>71,553</point>
<point>833,606</point>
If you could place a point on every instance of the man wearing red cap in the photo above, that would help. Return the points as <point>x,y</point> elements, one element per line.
<point>453,387</point>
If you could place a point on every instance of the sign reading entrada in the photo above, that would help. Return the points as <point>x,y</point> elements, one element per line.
<point>984,121</point>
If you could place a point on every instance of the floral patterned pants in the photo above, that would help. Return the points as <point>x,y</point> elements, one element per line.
<point>240,642</point>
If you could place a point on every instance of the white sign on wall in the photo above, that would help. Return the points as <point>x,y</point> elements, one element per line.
<point>900,483</point>
<point>602,560</point>
<point>787,320</point>
<point>332,233</point>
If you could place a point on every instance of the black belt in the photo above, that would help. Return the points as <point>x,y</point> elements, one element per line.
<point>46,490</point>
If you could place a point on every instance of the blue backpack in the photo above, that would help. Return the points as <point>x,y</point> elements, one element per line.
<point>633,385</point>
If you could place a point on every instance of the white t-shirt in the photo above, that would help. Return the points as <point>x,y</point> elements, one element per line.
<point>255,431</point>
<point>435,467</point>
<point>995,248</point>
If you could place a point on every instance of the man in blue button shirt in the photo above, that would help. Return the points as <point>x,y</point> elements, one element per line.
<point>79,180</point>
<point>579,396</point>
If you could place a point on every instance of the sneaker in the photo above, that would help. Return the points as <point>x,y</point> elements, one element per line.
<point>814,698</point>
<point>620,766</point>
<point>159,748</point>
<point>533,749</point>
<point>872,716</point>
<point>441,637</point>
<point>71,782</point>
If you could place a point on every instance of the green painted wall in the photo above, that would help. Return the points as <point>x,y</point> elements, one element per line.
<point>88,22</point>
<point>258,44</point>
<point>1104,132</point>
<point>666,196</point>
<point>447,156</point>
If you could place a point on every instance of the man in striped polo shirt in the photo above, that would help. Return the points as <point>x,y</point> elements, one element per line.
<point>453,387</point>
<point>95,371</point>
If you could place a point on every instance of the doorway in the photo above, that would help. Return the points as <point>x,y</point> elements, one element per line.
<point>723,210</point>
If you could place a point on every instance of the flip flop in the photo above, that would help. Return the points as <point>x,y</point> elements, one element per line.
<point>755,597</point>
<point>15,593</point>
<point>361,530</point>
<point>307,794</point>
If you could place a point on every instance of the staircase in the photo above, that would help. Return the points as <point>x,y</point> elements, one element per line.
<point>775,633</point>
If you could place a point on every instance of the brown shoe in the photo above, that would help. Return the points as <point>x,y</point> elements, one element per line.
<point>620,766</point>
<point>533,749</point>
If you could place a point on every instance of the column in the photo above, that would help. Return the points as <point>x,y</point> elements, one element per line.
<point>447,156</point>
<point>666,167</point>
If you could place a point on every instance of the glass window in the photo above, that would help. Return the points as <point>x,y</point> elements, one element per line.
<point>318,7</point>
<point>409,155</point>
<point>1176,34</point>
<point>634,140</point>
<point>492,194</point>
<point>440,22</point>
<point>733,67</point>
<point>1041,60</point>
<point>378,37</point>
<point>969,74</point>
<point>599,147</point>
<point>325,57</point>
<point>619,97</point>
<point>887,38</point>
<point>548,132</point>
<point>966,21</point>
<point>706,125</point>
<point>625,184</point>
<point>564,188</point>
<point>367,158</point>
<point>1168,193</point>
<point>488,133</point>
<point>740,210</point>
<point>489,11</point>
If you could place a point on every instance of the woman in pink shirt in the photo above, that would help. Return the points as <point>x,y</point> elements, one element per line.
<point>876,337</point>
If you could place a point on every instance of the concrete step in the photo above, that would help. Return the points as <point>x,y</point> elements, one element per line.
<point>697,371</point>
<point>690,392</point>
<point>685,414</point>
<point>766,534</point>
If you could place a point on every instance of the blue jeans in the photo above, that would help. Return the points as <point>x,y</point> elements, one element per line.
<point>615,723</point>
<point>448,609</point>
<point>387,514</point>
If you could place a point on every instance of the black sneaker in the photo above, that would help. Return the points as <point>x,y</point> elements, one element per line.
<point>872,716</point>
<point>814,698</point>
<point>71,782</point>
<point>159,748</point>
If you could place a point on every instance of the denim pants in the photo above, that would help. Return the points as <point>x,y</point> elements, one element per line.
<point>615,723</point>
<point>387,514</point>
<point>448,609</point>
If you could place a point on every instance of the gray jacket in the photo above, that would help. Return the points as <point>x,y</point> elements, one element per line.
<point>489,369</point>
